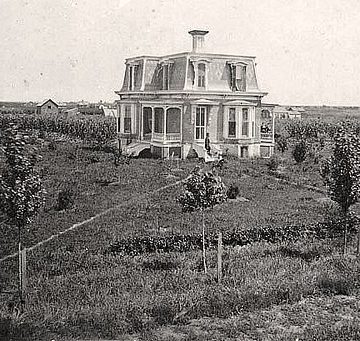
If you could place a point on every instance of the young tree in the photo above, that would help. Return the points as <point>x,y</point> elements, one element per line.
<point>203,190</point>
<point>21,192</point>
<point>341,172</point>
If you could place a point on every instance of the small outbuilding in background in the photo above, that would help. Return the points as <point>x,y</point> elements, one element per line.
<point>47,107</point>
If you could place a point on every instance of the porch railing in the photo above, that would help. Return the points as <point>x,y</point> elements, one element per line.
<point>266,136</point>
<point>166,137</point>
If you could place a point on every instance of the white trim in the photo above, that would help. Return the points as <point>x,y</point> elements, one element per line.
<point>239,103</point>
<point>142,87</point>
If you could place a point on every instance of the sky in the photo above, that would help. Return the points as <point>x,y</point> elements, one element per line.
<point>307,51</point>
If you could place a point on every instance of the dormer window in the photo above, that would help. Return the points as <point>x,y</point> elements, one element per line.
<point>201,75</point>
<point>238,76</point>
<point>166,73</point>
<point>133,75</point>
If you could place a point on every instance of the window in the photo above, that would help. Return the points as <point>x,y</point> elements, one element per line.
<point>49,106</point>
<point>265,151</point>
<point>127,119</point>
<point>244,152</point>
<point>147,120</point>
<point>159,120</point>
<point>238,77</point>
<point>133,73</point>
<point>118,124</point>
<point>253,129</point>
<point>232,123</point>
<point>201,75</point>
<point>265,114</point>
<point>166,77</point>
<point>200,123</point>
<point>245,122</point>
<point>131,77</point>
<point>173,116</point>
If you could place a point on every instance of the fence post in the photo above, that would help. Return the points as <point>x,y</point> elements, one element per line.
<point>24,275</point>
<point>358,243</point>
<point>219,257</point>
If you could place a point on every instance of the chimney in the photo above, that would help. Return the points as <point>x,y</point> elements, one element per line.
<point>198,43</point>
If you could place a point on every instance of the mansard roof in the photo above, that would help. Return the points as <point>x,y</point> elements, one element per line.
<point>190,54</point>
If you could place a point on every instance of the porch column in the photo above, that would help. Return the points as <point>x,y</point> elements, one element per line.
<point>165,114</point>
<point>152,123</point>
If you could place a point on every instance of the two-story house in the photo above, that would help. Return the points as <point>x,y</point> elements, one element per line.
<point>169,104</point>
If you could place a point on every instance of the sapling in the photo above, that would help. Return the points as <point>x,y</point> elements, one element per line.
<point>21,191</point>
<point>203,190</point>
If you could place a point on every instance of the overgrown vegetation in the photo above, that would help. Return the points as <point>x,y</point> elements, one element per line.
<point>149,284</point>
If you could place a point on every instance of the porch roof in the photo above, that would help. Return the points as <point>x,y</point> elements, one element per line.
<point>204,101</point>
<point>240,102</point>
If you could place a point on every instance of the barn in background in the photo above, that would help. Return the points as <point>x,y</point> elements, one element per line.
<point>47,107</point>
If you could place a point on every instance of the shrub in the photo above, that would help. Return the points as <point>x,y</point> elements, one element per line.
<point>52,145</point>
<point>232,192</point>
<point>335,285</point>
<point>273,163</point>
<point>300,151</point>
<point>281,143</point>
<point>65,199</point>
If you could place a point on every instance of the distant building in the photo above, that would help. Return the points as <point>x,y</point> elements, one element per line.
<point>281,112</point>
<point>47,107</point>
<point>170,104</point>
<point>108,111</point>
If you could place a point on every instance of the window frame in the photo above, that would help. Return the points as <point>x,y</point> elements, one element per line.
<point>245,122</point>
<point>200,129</point>
<point>201,78</point>
<point>127,119</point>
<point>232,110</point>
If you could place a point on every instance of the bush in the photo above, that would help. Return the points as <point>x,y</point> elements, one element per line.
<point>65,199</point>
<point>273,163</point>
<point>52,145</point>
<point>300,151</point>
<point>335,285</point>
<point>232,192</point>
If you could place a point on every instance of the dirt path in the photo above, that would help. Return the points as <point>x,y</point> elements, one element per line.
<point>96,216</point>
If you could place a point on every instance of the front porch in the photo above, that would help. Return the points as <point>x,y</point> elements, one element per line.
<point>161,123</point>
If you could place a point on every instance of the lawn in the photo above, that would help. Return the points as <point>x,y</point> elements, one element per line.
<point>78,290</point>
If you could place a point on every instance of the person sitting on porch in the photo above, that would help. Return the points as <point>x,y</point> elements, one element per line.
<point>207,144</point>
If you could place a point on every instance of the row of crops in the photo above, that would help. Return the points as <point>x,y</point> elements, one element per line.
<point>184,243</point>
<point>314,128</point>
<point>87,128</point>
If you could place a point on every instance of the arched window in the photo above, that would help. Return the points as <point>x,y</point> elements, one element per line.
<point>201,75</point>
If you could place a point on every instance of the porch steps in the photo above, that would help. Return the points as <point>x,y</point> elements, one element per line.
<point>135,148</point>
<point>216,153</point>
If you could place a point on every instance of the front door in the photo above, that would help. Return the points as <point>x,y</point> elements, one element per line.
<point>200,122</point>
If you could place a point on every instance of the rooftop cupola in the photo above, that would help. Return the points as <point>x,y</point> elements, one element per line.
<point>198,40</point>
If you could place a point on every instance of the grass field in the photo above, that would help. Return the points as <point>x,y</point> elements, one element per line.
<point>78,290</point>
